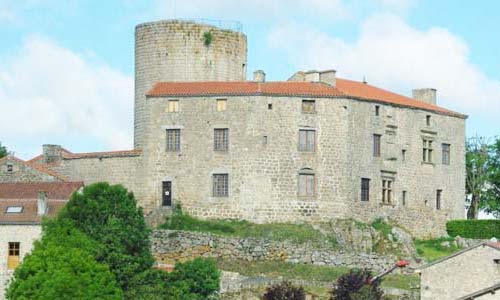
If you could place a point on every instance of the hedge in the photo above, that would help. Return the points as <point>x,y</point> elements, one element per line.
<point>474,229</point>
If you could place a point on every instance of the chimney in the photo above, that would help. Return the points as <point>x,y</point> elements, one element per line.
<point>52,153</point>
<point>327,77</point>
<point>425,95</point>
<point>311,76</point>
<point>259,76</point>
<point>42,203</point>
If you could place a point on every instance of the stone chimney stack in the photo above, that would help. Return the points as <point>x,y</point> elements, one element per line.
<point>259,76</point>
<point>42,203</point>
<point>327,76</point>
<point>425,95</point>
<point>52,153</point>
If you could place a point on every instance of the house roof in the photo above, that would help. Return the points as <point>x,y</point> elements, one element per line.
<point>343,89</point>
<point>34,165</point>
<point>488,290</point>
<point>121,153</point>
<point>25,195</point>
<point>493,245</point>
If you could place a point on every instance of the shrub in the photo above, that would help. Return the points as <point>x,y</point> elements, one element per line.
<point>474,229</point>
<point>194,280</point>
<point>207,38</point>
<point>109,215</point>
<point>356,285</point>
<point>284,291</point>
<point>62,266</point>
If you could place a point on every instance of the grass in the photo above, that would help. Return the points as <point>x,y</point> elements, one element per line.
<point>404,282</point>
<point>380,225</point>
<point>297,233</point>
<point>432,250</point>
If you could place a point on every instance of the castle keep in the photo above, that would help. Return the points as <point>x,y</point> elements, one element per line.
<point>313,148</point>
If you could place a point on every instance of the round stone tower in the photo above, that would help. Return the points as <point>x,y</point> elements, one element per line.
<point>175,50</point>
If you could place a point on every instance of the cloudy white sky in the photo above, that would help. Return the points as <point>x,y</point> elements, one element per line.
<point>66,67</point>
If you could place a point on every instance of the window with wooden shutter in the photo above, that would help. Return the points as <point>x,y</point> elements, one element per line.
<point>307,140</point>
<point>13,257</point>
<point>221,104</point>
<point>307,183</point>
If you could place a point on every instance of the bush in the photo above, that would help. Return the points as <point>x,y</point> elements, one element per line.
<point>194,280</point>
<point>356,285</point>
<point>474,229</point>
<point>284,291</point>
<point>62,266</point>
<point>109,215</point>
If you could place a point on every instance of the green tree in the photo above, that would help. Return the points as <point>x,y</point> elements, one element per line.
<point>476,162</point>
<point>492,196</point>
<point>109,215</point>
<point>3,151</point>
<point>194,280</point>
<point>62,266</point>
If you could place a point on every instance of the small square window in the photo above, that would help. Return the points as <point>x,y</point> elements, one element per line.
<point>173,106</point>
<point>308,106</point>
<point>270,106</point>
<point>10,168</point>
<point>221,104</point>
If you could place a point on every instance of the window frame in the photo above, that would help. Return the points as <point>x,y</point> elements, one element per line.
<point>365,190</point>
<point>306,179</point>
<point>173,106</point>
<point>439,199</point>
<point>404,195</point>
<point>428,120</point>
<point>13,255</point>
<point>223,106</point>
<point>173,140</point>
<point>446,154</point>
<point>309,144</point>
<point>387,190</point>
<point>427,150</point>
<point>311,103</point>
<point>377,145</point>
<point>377,110</point>
<point>221,139</point>
<point>220,189</point>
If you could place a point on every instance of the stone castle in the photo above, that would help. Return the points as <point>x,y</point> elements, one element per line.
<point>312,148</point>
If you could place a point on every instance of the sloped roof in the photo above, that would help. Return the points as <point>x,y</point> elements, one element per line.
<point>34,165</point>
<point>495,246</point>
<point>488,290</point>
<point>344,88</point>
<point>25,195</point>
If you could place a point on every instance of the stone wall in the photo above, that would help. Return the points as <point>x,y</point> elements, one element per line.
<point>172,246</point>
<point>25,235</point>
<point>176,51</point>
<point>263,176</point>
<point>460,275</point>
<point>22,172</point>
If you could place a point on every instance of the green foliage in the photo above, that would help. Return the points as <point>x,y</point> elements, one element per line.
<point>207,38</point>
<point>403,282</point>
<point>62,266</point>
<point>198,278</point>
<point>380,225</point>
<point>356,285</point>
<point>109,215</point>
<point>3,151</point>
<point>284,291</point>
<point>298,233</point>
<point>433,249</point>
<point>474,229</point>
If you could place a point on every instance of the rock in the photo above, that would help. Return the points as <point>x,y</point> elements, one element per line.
<point>445,244</point>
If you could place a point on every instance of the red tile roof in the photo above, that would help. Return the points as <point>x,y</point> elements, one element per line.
<point>26,196</point>
<point>37,166</point>
<point>54,190</point>
<point>343,88</point>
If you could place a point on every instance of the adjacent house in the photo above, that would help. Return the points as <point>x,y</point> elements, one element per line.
<point>22,207</point>
<point>473,273</point>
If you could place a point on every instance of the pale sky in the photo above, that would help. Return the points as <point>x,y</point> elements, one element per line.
<point>66,67</point>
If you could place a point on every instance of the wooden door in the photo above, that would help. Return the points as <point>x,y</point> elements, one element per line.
<point>167,193</point>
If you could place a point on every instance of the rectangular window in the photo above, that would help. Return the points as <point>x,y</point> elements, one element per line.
<point>376,145</point>
<point>173,140</point>
<point>403,155</point>
<point>365,189</point>
<point>308,106</point>
<point>220,185</point>
<point>173,106</point>
<point>306,185</point>
<point>438,199</point>
<point>403,198</point>
<point>307,140</point>
<point>270,106</point>
<point>10,168</point>
<point>377,110</point>
<point>387,191</point>
<point>428,120</point>
<point>264,140</point>
<point>221,104</point>
<point>427,150</point>
<point>221,139</point>
<point>446,154</point>
<point>13,258</point>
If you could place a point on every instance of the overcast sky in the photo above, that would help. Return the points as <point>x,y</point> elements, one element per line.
<point>66,67</point>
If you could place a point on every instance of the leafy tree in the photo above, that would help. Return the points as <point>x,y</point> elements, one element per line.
<point>492,195</point>
<point>284,291</point>
<point>3,151</point>
<point>109,215</point>
<point>356,285</point>
<point>194,280</point>
<point>62,266</point>
<point>476,162</point>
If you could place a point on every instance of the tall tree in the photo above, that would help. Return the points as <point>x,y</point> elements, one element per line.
<point>3,151</point>
<point>492,195</point>
<point>477,167</point>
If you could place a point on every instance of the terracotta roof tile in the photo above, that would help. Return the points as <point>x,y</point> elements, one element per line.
<point>343,88</point>
<point>29,214</point>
